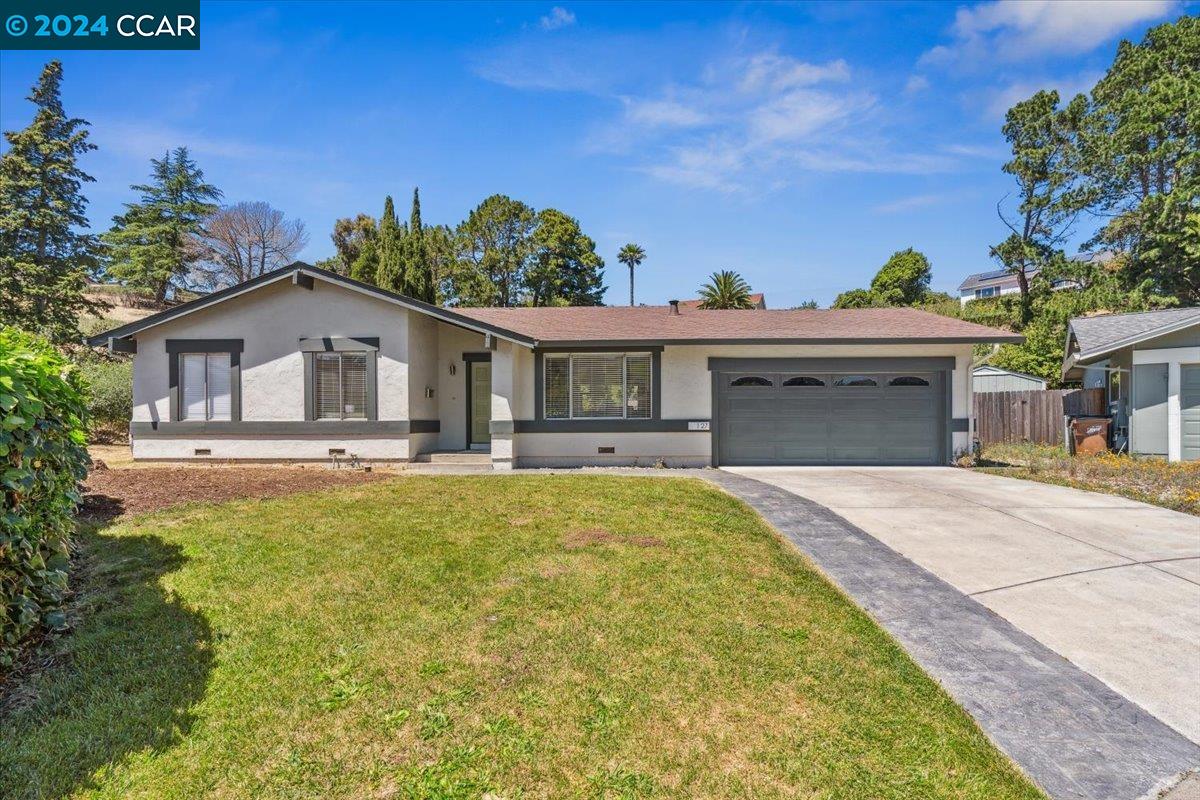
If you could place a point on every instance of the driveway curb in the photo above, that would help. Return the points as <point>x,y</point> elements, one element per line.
<point>1071,734</point>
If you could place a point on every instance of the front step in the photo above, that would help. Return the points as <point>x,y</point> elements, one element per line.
<point>455,457</point>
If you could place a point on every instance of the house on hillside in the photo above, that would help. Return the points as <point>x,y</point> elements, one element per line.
<point>302,364</point>
<point>1151,364</point>
<point>1000,281</point>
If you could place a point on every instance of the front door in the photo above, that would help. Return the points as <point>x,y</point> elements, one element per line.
<point>480,382</point>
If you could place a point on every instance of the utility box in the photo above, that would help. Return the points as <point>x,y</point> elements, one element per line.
<point>1089,435</point>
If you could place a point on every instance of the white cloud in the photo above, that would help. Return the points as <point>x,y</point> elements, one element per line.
<point>771,71</point>
<point>916,84</point>
<point>1019,30</point>
<point>145,141</point>
<point>664,113</point>
<point>558,17</point>
<point>997,101</point>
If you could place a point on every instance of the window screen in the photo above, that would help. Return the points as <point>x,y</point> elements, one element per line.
<point>207,386</point>
<point>340,385</point>
<point>598,386</point>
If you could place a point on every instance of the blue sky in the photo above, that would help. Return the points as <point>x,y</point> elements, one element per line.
<point>799,144</point>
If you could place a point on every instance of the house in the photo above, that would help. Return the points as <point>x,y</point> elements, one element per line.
<point>302,363</point>
<point>758,302</point>
<point>986,378</point>
<point>998,282</point>
<point>1151,364</point>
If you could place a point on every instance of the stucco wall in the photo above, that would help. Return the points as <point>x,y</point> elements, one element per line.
<point>271,321</point>
<point>686,393</point>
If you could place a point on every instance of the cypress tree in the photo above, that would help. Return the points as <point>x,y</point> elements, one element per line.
<point>44,260</point>
<point>418,272</point>
<point>390,272</point>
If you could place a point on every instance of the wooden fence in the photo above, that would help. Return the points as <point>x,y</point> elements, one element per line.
<point>1034,416</point>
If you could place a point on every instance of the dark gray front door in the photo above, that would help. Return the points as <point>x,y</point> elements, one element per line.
<point>1148,422</point>
<point>481,402</point>
<point>1189,411</point>
<point>831,418</point>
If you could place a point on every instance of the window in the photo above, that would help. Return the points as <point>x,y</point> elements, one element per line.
<point>340,385</point>
<point>751,380</point>
<point>804,380</point>
<point>855,380</point>
<point>207,386</point>
<point>907,380</point>
<point>987,291</point>
<point>597,386</point>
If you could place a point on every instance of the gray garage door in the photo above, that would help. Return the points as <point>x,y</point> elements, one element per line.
<point>766,417</point>
<point>1189,407</point>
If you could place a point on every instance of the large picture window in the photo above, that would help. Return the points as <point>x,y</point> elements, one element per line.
<point>207,386</point>
<point>598,386</point>
<point>340,383</point>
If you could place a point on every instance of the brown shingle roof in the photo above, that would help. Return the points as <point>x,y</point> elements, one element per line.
<point>756,299</point>
<point>646,324</point>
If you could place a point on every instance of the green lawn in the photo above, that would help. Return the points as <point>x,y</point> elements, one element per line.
<point>509,637</point>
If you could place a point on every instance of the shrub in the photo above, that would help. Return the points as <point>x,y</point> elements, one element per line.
<point>43,457</point>
<point>110,394</point>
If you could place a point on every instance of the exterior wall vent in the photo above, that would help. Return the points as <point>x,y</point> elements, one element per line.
<point>337,451</point>
<point>606,450</point>
<point>202,451</point>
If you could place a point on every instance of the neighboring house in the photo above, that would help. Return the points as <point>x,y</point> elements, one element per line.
<point>758,299</point>
<point>301,363</point>
<point>998,282</point>
<point>1001,281</point>
<point>987,378</point>
<point>1152,364</point>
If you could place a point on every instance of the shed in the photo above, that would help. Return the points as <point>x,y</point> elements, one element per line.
<point>987,378</point>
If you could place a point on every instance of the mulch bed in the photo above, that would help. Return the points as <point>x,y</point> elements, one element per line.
<point>111,493</point>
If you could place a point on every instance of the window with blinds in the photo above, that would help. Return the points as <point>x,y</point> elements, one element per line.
<point>207,391</point>
<point>597,386</point>
<point>340,385</point>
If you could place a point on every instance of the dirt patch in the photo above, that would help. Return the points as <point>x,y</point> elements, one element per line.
<point>111,493</point>
<point>583,537</point>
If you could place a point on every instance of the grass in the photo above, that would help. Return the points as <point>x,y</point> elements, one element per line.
<point>501,637</point>
<point>1174,485</point>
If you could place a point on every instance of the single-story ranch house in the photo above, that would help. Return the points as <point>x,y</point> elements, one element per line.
<point>302,363</point>
<point>1151,364</point>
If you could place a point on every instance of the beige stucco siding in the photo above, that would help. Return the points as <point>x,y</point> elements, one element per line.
<point>686,394</point>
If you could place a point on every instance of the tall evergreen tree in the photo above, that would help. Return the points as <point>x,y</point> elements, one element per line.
<point>152,245</point>
<point>566,270</point>
<point>1141,143</point>
<point>418,272</point>
<point>496,245</point>
<point>44,260</point>
<point>389,273</point>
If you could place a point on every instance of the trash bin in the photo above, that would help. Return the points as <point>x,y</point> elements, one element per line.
<point>1089,434</point>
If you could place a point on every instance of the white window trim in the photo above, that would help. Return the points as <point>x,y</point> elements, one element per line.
<point>625,354</point>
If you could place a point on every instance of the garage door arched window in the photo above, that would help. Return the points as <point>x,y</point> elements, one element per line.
<point>908,380</point>
<point>751,380</point>
<point>803,380</point>
<point>855,380</point>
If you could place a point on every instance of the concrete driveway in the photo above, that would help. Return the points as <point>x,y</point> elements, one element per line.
<point>1111,584</point>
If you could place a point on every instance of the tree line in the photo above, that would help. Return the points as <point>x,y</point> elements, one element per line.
<point>1122,160</point>
<point>505,253</point>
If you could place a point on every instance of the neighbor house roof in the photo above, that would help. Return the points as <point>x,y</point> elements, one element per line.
<point>593,325</point>
<point>657,325</point>
<point>758,300</point>
<point>999,276</point>
<point>1089,338</point>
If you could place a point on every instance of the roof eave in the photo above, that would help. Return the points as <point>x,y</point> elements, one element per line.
<point>1129,341</point>
<point>879,340</point>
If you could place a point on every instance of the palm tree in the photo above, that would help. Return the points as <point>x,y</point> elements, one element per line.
<point>631,255</point>
<point>726,289</point>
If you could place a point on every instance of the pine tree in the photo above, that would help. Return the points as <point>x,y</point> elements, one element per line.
<point>152,245</point>
<point>44,261</point>
<point>418,272</point>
